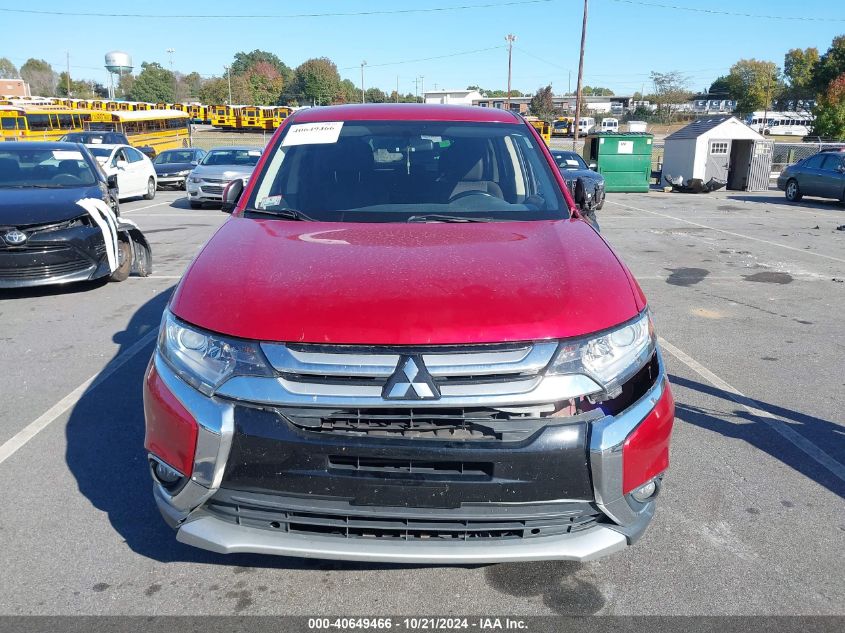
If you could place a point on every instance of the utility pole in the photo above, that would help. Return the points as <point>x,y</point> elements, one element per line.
<point>397,88</point>
<point>766,111</point>
<point>363,63</point>
<point>510,39</point>
<point>67,59</point>
<point>229,79</point>
<point>580,77</point>
<point>422,83</point>
<point>170,52</point>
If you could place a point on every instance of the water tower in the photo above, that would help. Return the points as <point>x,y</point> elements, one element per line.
<point>117,63</point>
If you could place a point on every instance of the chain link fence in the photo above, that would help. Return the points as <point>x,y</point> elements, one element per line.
<point>786,154</point>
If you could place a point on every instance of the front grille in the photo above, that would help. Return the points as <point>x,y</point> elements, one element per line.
<point>44,272</point>
<point>214,190</point>
<point>432,424</point>
<point>216,180</point>
<point>391,524</point>
<point>385,467</point>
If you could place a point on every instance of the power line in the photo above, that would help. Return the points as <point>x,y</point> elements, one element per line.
<point>427,59</point>
<point>792,17</point>
<point>462,7</point>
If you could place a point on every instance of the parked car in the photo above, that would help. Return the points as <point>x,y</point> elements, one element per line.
<point>406,346</point>
<point>135,173</point>
<point>104,137</point>
<point>585,184</point>
<point>59,219</point>
<point>821,175</point>
<point>219,167</point>
<point>173,166</point>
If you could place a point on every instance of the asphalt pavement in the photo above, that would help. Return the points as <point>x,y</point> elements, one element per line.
<point>748,297</point>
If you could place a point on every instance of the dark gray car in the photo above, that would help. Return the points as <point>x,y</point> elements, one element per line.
<point>821,175</point>
<point>585,184</point>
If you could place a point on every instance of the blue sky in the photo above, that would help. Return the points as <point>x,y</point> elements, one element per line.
<point>625,40</point>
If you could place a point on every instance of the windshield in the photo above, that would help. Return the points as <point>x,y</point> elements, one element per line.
<point>569,160</point>
<point>89,138</point>
<point>396,171</point>
<point>174,156</point>
<point>243,157</point>
<point>100,152</point>
<point>54,168</point>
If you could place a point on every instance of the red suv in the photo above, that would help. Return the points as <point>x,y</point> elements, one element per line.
<point>406,345</point>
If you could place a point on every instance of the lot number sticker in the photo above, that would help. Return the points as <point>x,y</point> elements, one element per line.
<point>313,133</point>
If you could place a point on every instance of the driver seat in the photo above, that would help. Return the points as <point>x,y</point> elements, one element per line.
<point>465,165</point>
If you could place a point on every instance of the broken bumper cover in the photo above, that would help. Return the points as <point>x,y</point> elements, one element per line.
<point>621,521</point>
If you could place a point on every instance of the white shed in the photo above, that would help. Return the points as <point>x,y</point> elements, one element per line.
<point>719,147</point>
<point>459,97</point>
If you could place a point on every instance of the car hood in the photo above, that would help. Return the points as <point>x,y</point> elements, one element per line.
<point>398,284</point>
<point>23,207</point>
<point>224,172</point>
<point>572,174</point>
<point>172,168</point>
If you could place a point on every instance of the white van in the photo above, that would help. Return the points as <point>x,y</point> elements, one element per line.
<point>586,125</point>
<point>610,125</point>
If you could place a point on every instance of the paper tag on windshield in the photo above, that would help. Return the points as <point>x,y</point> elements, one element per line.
<point>63,154</point>
<point>96,141</point>
<point>313,133</point>
<point>572,162</point>
<point>254,152</point>
<point>269,201</point>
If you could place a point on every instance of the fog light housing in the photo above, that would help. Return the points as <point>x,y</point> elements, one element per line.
<point>165,474</point>
<point>645,492</point>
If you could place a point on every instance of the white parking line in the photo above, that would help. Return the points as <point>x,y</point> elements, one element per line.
<point>19,440</point>
<point>746,237</point>
<point>149,206</point>
<point>776,424</point>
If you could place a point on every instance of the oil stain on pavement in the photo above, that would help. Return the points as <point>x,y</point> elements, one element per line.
<point>769,277</point>
<point>686,276</point>
<point>561,584</point>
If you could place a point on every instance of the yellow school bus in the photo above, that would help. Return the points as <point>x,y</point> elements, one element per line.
<point>279,114</point>
<point>40,123</point>
<point>543,128</point>
<point>562,126</point>
<point>250,118</point>
<point>159,129</point>
<point>225,116</point>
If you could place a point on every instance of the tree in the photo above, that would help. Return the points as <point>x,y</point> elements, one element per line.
<point>721,88</point>
<point>7,69</point>
<point>542,105</point>
<point>265,83</point>
<point>78,88</point>
<point>831,65</point>
<point>153,84</point>
<point>374,95</point>
<point>40,76</point>
<point>830,111</point>
<point>214,91</point>
<point>188,86</point>
<point>243,62</point>
<point>317,81</point>
<point>671,89</point>
<point>755,83</point>
<point>799,68</point>
<point>597,92</point>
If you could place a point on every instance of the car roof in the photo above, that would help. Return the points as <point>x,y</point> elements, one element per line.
<point>68,145</point>
<point>107,145</point>
<point>404,112</point>
<point>229,148</point>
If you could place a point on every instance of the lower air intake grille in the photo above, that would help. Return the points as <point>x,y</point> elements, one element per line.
<point>387,526</point>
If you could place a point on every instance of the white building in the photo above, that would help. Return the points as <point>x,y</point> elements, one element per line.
<point>453,97</point>
<point>722,148</point>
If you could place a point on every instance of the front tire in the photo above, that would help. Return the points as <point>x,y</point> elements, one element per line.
<point>793,191</point>
<point>124,262</point>
<point>151,189</point>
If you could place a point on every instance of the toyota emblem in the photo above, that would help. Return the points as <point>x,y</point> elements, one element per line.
<point>15,237</point>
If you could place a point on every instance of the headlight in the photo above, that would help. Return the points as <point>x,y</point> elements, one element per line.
<point>205,360</point>
<point>184,172</point>
<point>610,358</point>
<point>194,179</point>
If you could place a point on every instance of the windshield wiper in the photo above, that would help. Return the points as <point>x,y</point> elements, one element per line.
<point>435,217</point>
<point>286,213</point>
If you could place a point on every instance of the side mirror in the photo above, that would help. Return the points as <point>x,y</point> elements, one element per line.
<point>593,166</point>
<point>231,193</point>
<point>121,164</point>
<point>112,181</point>
<point>195,163</point>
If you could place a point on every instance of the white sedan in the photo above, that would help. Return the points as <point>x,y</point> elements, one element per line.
<point>135,173</point>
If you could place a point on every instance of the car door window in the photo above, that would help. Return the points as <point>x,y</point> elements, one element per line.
<point>831,162</point>
<point>134,155</point>
<point>815,162</point>
<point>118,156</point>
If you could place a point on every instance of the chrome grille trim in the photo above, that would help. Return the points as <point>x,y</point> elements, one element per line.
<point>276,391</point>
<point>288,361</point>
<point>525,360</point>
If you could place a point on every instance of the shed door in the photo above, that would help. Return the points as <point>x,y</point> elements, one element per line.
<point>718,160</point>
<point>761,166</point>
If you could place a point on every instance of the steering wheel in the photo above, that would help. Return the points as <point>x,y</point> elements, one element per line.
<point>66,179</point>
<point>471,192</point>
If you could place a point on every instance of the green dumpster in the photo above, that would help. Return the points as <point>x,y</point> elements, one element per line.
<point>623,158</point>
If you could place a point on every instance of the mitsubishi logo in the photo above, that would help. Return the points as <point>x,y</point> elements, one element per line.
<point>410,381</point>
<point>15,237</point>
